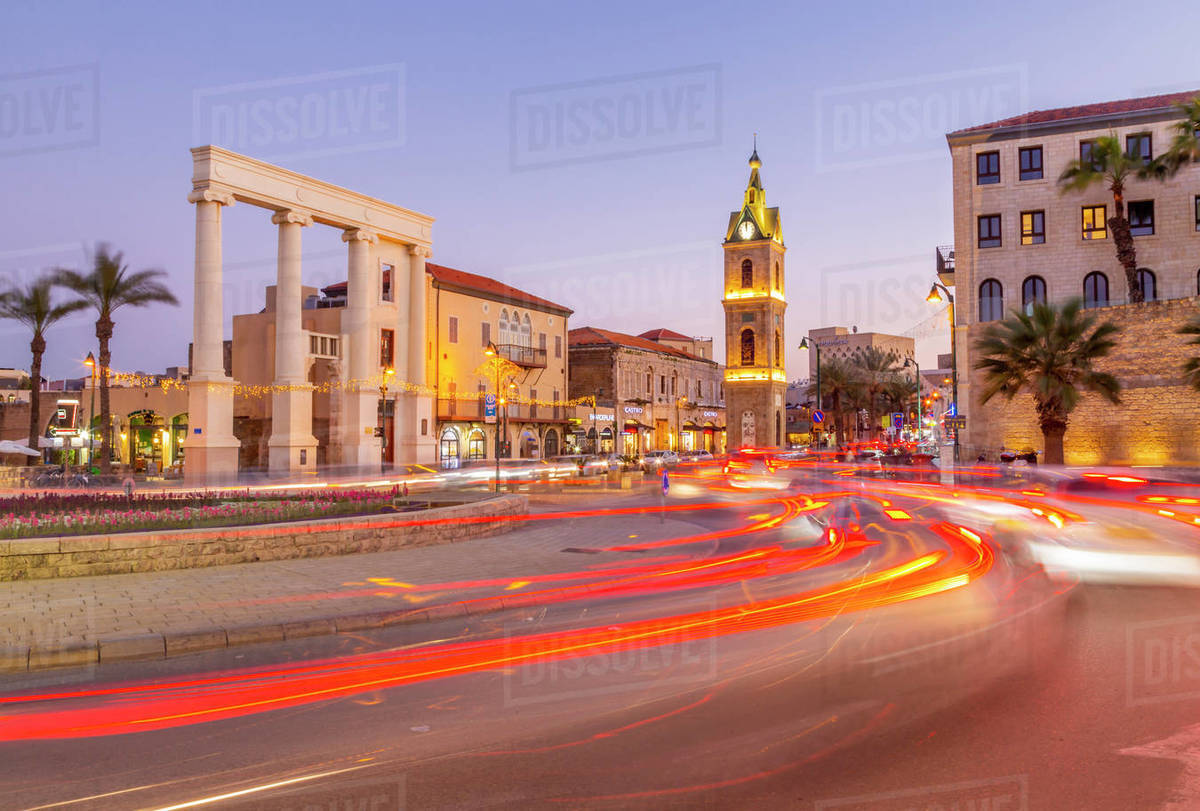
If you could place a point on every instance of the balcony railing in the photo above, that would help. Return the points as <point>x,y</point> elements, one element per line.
<point>472,409</point>
<point>525,356</point>
<point>945,262</point>
<point>324,345</point>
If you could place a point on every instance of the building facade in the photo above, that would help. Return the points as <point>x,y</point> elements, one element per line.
<point>842,344</point>
<point>754,305</point>
<point>1019,239</point>
<point>465,314</point>
<point>662,397</point>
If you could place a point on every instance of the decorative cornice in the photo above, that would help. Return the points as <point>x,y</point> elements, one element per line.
<point>420,250</point>
<point>361,234</point>
<point>210,195</point>
<point>292,215</point>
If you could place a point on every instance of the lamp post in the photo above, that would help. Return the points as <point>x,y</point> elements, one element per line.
<point>90,362</point>
<point>913,362</point>
<point>804,344</point>
<point>387,373</point>
<point>937,294</point>
<point>492,352</point>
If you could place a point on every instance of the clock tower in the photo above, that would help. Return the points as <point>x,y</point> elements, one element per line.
<point>755,383</point>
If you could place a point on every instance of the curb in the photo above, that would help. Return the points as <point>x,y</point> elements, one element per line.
<point>170,644</point>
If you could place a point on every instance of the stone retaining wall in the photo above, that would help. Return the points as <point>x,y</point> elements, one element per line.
<point>84,555</point>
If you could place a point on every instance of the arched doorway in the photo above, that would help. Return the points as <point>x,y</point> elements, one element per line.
<point>448,448</point>
<point>476,444</point>
<point>528,445</point>
<point>551,442</point>
<point>607,445</point>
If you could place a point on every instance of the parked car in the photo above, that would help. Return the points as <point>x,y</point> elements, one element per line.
<point>655,461</point>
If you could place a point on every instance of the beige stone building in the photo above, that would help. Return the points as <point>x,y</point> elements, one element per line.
<point>465,313</point>
<point>662,397</point>
<point>754,305</point>
<point>842,344</point>
<point>1018,239</point>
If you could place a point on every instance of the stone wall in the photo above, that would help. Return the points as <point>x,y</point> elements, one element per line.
<point>1158,420</point>
<point>84,555</point>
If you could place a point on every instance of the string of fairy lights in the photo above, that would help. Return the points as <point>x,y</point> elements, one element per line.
<point>140,381</point>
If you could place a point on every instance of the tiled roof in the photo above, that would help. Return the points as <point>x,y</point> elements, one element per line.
<point>469,281</point>
<point>664,334</point>
<point>483,284</point>
<point>594,336</point>
<point>1104,108</point>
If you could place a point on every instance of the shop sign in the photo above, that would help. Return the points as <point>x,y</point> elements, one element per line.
<point>711,414</point>
<point>633,409</point>
<point>605,417</point>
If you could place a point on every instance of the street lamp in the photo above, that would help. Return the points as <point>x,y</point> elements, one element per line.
<point>913,362</point>
<point>492,352</point>
<point>937,294</point>
<point>90,362</point>
<point>804,344</point>
<point>387,373</point>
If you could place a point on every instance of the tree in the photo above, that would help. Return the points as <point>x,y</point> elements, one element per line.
<point>34,307</point>
<point>877,367</point>
<point>900,394</point>
<point>1048,353</point>
<point>1108,163</point>
<point>1184,148</point>
<point>109,286</point>
<point>840,386</point>
<point>1191,369</point>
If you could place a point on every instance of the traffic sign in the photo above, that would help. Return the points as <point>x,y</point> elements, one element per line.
<point>666,482</point>
<point>956,423</point>
<point>818,416</point>
<point>897,420</point>
<point>489,408</point>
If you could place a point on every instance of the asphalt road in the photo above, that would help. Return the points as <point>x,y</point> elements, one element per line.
<point>1008,693</point>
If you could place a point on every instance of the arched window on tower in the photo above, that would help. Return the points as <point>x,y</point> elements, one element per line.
<point>747,347</point>
<point>778,349</point>
<point>747,273</point>
<point>778,278</point>
<point>752,195</point>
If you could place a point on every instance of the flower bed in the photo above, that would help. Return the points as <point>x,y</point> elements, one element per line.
<point>52,515</point>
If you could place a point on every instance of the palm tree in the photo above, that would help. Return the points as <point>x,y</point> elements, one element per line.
<point>34,307</point>
<point>899,393</point>
<point>1185,144</point>
<point>878,366</point>
<point>1048,352</point>
<point>839,386</point>
<point>1191,369</point>
<point>108,287</point>
<point>1113,166</point>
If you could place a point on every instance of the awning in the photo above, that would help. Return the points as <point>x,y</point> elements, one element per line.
<point>636,425</point>
<point>691,426</point>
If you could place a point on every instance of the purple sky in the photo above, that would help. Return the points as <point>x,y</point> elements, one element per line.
<point>590,154</point>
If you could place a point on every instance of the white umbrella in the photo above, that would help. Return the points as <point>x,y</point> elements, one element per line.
<point>8,446</point>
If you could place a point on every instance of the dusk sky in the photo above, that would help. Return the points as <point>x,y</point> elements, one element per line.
<point>589,154</point>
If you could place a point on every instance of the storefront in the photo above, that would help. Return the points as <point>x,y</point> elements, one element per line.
<point>150,443</point>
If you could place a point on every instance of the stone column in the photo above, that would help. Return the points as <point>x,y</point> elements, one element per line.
<point>360,447</point>
<point>211,450</point>
<point>292,447</point>
<point>413,445</point>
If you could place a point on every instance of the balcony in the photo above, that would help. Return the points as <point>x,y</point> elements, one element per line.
<point>525,356</point>
<point>323,345</point>
<point>945,264</point>
<point>472,409</point>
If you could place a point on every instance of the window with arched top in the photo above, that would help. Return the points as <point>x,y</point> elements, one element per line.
<point>778,278</point>
<point>778,349</point>
<point>1095,290</point>
<point>1148,283</point>
<point>1198,282</point>
<point>503,327</point>
<point>747,273</point>
<point>747,347</point>
<point>752,195</point>
<point>991,300</point>
<point>1033,291</point>
<point>526,332</point>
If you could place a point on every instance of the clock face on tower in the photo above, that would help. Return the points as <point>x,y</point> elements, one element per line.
<point>746,229</point>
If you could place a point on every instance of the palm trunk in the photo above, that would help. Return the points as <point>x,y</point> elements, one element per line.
<point>1053,428</point>
<point>1123,239</point>
<point>104,330</point>
<point>38,348</point>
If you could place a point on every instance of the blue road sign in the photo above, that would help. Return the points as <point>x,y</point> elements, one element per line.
<point>666,482</point>
<point>897,420</point>
<point>818,416</point>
